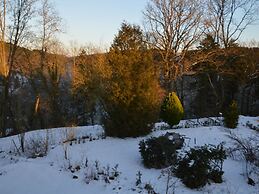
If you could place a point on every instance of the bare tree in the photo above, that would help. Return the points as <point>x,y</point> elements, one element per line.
<point>50,25</point>
<point>74,52</point>
<point>20,14</point>
<point>3,64</point>
<point>251,44</point>
<point>3,68</point>
<point>49,73</point>
<point>173,27</point>
<point>227,19</point>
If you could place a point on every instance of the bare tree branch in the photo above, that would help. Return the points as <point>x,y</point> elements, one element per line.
<point>227,19</point>
<point>173,27</point>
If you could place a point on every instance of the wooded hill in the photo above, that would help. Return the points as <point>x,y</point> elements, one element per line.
<point>69,94</point>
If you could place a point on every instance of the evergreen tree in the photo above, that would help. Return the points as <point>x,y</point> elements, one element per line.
<point>231,115</point>
<point>132,93</point>
<point>172,109</point>
<point>208,43</point>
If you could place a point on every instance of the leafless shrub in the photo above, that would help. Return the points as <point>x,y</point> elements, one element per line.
<point>247,149</point>
<point>170,181</point>
<point>69,135</point>
<point>96,172</point>
<point>36,147</point>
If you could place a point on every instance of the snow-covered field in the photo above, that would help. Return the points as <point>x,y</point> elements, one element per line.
<point>53,174</point>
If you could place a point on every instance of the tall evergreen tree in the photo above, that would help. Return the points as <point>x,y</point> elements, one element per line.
<point>132,93</point>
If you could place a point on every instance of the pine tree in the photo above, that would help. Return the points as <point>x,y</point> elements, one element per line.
<point>132,93</point>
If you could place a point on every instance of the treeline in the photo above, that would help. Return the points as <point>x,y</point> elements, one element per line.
<point>123,88</point>
<point>27,25</point>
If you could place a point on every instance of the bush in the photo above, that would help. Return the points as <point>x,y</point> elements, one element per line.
<point>171,109</point>
<point>160,152</point>
<point>231,116</point>
<point>201,165</point>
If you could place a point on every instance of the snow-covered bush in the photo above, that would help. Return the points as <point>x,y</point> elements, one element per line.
<point>171,110</point>
<point>160,152</point>
<point>231,116</point>
<point>200,165</point>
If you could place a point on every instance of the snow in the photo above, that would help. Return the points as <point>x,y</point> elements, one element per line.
<point>51,174</point>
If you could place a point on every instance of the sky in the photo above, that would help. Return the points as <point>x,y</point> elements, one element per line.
<point>98,21</point>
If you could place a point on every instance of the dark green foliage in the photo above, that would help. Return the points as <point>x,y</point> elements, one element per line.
<point>171,109</point>
<point>231,116</point>
<point>216,176</point>
<point>208,43</point>
<point>87,85</point>
<point>132,95</point>
<point>159,152</point>
<point>201,165</point>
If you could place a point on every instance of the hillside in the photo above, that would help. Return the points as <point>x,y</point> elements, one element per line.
<point>70,167</point>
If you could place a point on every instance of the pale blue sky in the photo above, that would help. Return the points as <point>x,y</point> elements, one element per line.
<point>97,21</point>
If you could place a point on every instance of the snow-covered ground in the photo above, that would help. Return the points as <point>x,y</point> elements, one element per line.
<point>53,174</point>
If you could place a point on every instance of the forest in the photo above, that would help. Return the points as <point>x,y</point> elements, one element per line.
<point>194,52</point>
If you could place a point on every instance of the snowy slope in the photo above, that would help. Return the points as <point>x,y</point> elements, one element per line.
<point>54,174</point>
